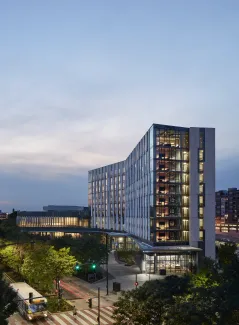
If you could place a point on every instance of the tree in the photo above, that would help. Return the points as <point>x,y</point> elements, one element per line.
<point>7,304</point>
<point>226,253</point>
<point>208,276</point>
<point>213,298</point>
<point>36,270</point>
<point>45,264</point>
<point>149,304</point>
<point>12,257</point>
<point>10,231</point>
<point>86,248</point>
<point>61,262</point>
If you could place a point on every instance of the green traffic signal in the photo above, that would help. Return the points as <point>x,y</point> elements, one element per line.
<point>77,267</point>
<point>93,266</point>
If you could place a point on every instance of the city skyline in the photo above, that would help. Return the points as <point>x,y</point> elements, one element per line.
<point>81,83</point>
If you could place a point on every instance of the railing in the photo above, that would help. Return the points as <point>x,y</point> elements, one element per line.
<point>7,278</point>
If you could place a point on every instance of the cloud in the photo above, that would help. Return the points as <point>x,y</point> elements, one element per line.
<point>32,192</point>
<point>6,203</point>
<point>53,133</point>
<point>84,116</point>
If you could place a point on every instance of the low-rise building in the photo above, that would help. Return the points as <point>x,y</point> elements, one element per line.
<point>41,221</point>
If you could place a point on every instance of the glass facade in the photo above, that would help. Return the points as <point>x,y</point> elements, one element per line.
<point>171,262</point>
<point>52,219</point>
<point>106,197</point>
<point>138,189</point>
<point>201,192</point>
<point>148,195</point>
<point>170,215</point>
<point>162,192</point>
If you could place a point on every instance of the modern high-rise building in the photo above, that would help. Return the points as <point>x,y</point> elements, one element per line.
<point>222,204</point>
<point>163,194</point>
<point>227,204</point>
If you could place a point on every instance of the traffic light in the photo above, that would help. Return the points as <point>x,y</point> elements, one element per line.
<point>90,302</point>
<point>136,284</point>
<point>30,297</point>
<point>93,266</point>
<point>77,267</point>
<point>60,294</point>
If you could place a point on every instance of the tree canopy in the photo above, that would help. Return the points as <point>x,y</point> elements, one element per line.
<point>44,264</point>
<point>210,297</point>
<point>7,304</point>
<point>86,248</point>
<point>150,303</point>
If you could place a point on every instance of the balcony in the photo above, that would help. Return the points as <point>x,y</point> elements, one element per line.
<point>170,216</point>
<point>168,228</point>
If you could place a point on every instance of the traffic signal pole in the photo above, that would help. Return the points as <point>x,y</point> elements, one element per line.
<point>136,281</point>
<point>98,318</point>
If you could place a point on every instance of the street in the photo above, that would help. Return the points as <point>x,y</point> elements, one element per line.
<point>125,275</point>
<point>83,317</point>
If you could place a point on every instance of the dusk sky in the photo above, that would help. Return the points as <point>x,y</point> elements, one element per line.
<point>82,81</point>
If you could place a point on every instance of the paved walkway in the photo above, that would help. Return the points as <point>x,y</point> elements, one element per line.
<point>125,275</point>
<point>84,317</point>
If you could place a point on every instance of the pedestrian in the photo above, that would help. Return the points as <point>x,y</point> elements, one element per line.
<point>74,311</point>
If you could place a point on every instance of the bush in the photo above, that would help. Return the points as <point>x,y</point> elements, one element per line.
<point>127,257</point>
<point>53,305</point>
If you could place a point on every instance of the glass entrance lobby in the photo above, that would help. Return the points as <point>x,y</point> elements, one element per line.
<point>169,263</point>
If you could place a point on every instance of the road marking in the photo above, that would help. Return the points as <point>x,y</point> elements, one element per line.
<point>93,321</point>
<point>106,314</point>
<point>95,312</point>
<point>71,318</point>
<point>109,312</point>
<point>77,319</point>
<point>58,320</point>
<point>66,321</point>
<point>84,317</point>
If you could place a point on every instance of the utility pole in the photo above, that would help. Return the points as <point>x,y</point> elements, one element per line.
<point>98,318</point>
<point>107,269</point>
<point>58,292</point>
<point>136,281</point>
<point>32,244</point>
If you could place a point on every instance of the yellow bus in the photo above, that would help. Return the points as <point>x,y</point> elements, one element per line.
<point>31,304</point>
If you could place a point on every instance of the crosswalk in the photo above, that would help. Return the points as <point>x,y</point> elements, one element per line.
<point>83,317</point>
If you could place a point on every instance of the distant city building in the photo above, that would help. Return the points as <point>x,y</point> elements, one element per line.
<point>233,205</point>
<point>227,205</point>
<point>227,214</point>
<point>222,204</point>
<point>63,208</point>
<point>163,194</point>
<point>3,215</point>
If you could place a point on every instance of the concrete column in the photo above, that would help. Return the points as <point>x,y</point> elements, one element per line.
<point>155,263</point>
<point>194,187</point>
<point>209,180</point>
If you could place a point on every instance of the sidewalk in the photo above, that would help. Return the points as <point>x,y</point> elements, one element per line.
<point>105,301</point>
<point>92,289</point>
